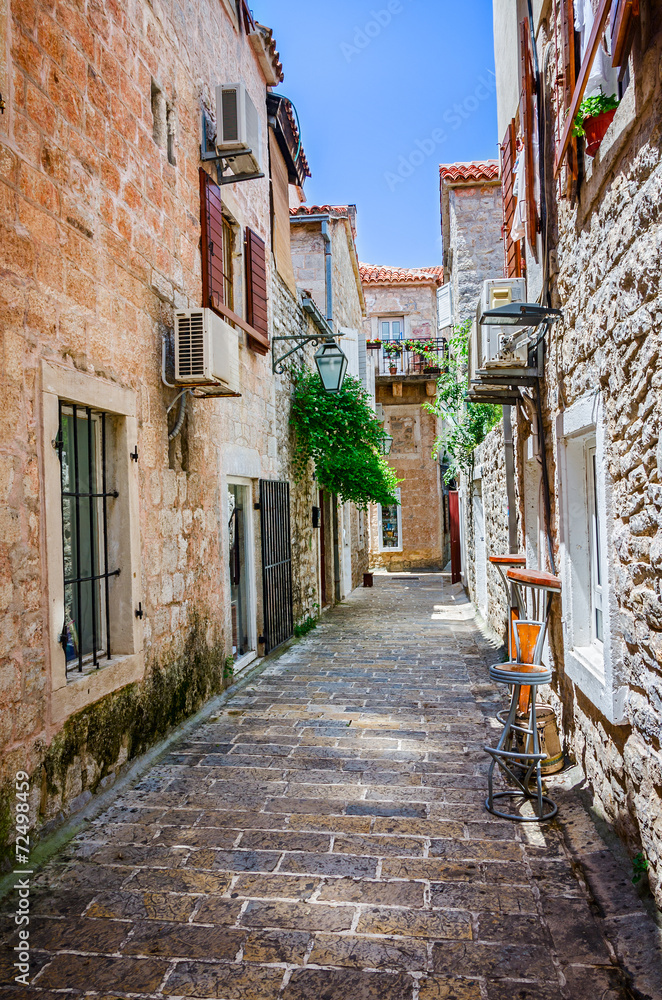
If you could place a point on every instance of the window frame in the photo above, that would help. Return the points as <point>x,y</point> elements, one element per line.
<point>390,548</point>
<point>595,667</point>
<point>70,692</point>
<point>390,320</point>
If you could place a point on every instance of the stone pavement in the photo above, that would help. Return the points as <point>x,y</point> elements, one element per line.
<point>324,838</point>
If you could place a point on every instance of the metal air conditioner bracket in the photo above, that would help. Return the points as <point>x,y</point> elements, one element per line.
<point>224,161</point>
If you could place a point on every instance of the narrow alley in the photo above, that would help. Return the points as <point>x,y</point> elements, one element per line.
<point>324,836</point>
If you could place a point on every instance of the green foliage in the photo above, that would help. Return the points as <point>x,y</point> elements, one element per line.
<point>228,668</point>
<point>306,624</point>
<point>466,424</point>
<point>639,866</point>
<point>392,348</point>
<point>424,348</point>
<point>341,434</point>
<point>591,107</point>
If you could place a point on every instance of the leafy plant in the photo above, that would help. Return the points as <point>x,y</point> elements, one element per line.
<point>591,107</point>
<point>340,433</point>
<point>639,866</point>
<point>466,424</point>
<point>306,624</point>
<point>228,668</point>
<point>392,349</point>
<point>425,349</point>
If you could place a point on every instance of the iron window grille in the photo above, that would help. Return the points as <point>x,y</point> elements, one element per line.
<point>82,448</point>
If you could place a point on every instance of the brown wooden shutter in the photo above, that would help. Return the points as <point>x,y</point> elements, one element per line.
<point>512,249</point>
<point>569,81</point>
<point>527,120</point>
<point>622,29</point>
<point>256,290</point>
<point>211,221</point>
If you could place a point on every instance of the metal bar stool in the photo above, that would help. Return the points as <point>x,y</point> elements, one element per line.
<point>535,590</point>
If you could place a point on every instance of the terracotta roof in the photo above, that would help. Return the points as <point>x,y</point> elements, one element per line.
<point>271,52</point>
<point>475,170</point>
<point>335,211</point>
<point>378,274</point>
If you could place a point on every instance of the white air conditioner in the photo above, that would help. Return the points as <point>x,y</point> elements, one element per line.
<point>238,128</point>
<point>206,350</point>
<point>493,344</point>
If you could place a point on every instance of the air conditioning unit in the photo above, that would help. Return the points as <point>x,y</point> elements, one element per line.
<point>238,136</point>
<point>206,350</point>
<point>493,345</point>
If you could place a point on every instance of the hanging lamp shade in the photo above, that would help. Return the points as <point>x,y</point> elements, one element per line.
<point>386,444</point>
<point>331,365</point>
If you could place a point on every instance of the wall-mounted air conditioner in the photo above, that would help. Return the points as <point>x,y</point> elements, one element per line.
<point>494,345</point>
<point>206,350</point>
<point>238,136</point>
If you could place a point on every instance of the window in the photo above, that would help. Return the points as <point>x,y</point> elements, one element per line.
<point>86,628</point>
<point>171,123</point>
<point>390,526</point>
<point>391,329</point>
<point>91,500</point>
<point>596,546</point>
<point>592,654</point>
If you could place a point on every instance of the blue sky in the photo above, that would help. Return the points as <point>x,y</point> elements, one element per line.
<point>385,92</point>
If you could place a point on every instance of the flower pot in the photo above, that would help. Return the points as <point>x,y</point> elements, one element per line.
<point>374,345</point>
<point>393,369</point>
<point>432,370</point>
<point>595,129</point>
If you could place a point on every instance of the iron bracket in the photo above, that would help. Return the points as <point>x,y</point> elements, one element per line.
<point>302,339</point>
<point>223,161</point>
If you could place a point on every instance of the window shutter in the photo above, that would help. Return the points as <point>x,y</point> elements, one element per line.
<point>445,306</point>
<point>622,27</point>
<point>512,249</point>
<point>569,81</point>
<point>256,290</point>
<point>527,123</point>
<point>211,221</point>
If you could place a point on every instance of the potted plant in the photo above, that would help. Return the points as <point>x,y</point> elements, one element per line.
<point>373,345</point>
<point>593,118</point>
<point>392,350</point>
<point>427,352</point>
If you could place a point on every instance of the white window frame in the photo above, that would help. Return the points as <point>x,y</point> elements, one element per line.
<point>595,667</point>
<point>388,548</point>
<point>390,320</point>
<point>73,692</point>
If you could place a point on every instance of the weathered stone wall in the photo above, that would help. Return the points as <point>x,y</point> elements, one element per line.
<point>608,285</point>
<point>414,432</point>
<point>474,242</point>
<point>416,302</point>
<point>99,242</point>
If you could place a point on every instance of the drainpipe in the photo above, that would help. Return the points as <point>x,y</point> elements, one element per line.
<point>510,478</point>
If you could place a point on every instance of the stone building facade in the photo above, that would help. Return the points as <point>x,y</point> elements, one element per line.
<point>596,258</point>
<point>101,216</point>
<point>326,267</point>
<point>471,220</point>
<point>401,309</point>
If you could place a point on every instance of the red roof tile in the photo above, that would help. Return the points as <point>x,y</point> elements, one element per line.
<point>377,274</point>
<point>270,46</point>
<point>334,211</point>
<point>476,170</point>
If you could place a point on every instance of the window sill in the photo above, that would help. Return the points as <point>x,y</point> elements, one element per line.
<point>84,689</point>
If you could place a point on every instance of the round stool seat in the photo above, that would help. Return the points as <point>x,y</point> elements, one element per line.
<point>530,674</point>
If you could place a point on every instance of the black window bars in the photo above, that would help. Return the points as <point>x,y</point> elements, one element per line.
<point>81,446</point>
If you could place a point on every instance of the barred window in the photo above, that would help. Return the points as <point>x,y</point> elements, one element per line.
<point>86,629</point>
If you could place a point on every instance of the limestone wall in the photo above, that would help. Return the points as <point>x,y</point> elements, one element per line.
<point>417,303</point>
<point>475,248</point>
<point>99,242</point>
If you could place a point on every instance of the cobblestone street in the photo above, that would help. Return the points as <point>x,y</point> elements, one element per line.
<point>323,837</point>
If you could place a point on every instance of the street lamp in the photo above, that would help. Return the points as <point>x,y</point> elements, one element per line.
<point>386,444</point>
<point>331,365</point>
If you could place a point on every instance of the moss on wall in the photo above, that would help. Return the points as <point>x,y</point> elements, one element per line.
<point>97,741</point>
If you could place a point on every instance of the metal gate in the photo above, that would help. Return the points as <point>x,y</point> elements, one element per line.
<point>276,562</point>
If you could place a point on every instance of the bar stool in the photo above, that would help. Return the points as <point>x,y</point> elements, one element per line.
<point>534,590</point>
<point>503,564</point>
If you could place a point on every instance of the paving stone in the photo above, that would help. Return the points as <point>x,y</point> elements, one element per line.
<point>330,984</point>
<point>371,953</point>
<point>324,836</point>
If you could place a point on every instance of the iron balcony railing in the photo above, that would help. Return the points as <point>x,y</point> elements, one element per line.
<point>408,357</point>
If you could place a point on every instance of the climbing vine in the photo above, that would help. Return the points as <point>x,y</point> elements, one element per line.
<point>466,424</point>
<point>341,434</point>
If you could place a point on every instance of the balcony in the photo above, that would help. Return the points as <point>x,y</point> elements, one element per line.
<point>422,359</point>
